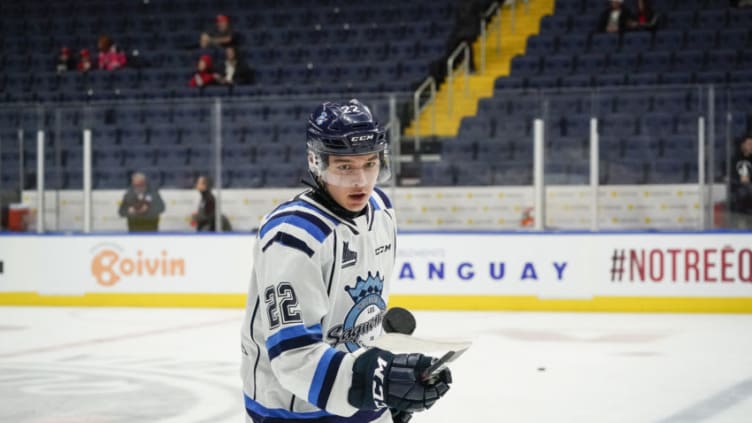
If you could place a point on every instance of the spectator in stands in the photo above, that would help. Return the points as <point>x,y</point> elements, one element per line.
<point>741,3</point>
<point>110,58</point>
<point>236,71</point>
<point>84,61</point>
<point>205,217</point>
<point>741,186</point>
<point>141,205</point>
<point>647,18</point>
<point>221,36</point>
<point>466,28</point>
<point>205,74</point>
<point>65,61</point>
<point>616,18</point>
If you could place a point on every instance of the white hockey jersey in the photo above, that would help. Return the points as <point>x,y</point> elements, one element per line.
<point>318,292</point>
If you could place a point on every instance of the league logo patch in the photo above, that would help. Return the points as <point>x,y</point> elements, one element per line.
<point>365,316</point>
<point>349,257</point>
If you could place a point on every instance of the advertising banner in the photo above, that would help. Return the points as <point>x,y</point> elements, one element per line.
<point>546,266</point>
<point>75,265</point>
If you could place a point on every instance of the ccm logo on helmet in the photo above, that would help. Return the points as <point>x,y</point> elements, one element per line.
<point>362,138</point>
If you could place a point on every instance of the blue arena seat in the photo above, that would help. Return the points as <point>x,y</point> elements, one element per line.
<point>623,62</point>
<point>657,124</point>
<point>637,42</point>
<point>573,43</point>
<point>459,150</point>
<point>437,174</point>
<point>473,174</point>
<point>712,19</point>
<point>668,41</point>
<point>539,45</point>
<point>525,66</point>
<point>701,39</point>
<point>604,43</point>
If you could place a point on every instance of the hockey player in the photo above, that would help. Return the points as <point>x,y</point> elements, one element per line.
<point>319,288</point>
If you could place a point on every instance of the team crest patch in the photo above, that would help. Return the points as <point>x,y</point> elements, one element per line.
<point>364,317</point>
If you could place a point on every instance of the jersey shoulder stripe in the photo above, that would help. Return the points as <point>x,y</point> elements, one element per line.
<point>323,378</point>
<point>292,337</point>
<point>308,207</point>
<point>384,198</point>
<point>291,241</point>
<point>300,219</point>
<point>374,203</point>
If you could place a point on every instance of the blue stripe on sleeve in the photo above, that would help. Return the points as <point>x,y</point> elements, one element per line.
<point>323,378</point>
<point>292,337</point>
<point>325,388</point>
<point>308,222</point>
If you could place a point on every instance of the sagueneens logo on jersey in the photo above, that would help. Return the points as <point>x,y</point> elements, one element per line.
<point>112,263</point>
<point>365,316</point>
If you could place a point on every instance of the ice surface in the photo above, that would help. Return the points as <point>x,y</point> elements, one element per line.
<point>181,365</point>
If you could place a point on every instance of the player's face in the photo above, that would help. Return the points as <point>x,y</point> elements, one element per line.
<point>350,179</point>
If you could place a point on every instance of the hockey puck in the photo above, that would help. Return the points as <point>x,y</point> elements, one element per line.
<point>398,320</point>
<point>541,369</point>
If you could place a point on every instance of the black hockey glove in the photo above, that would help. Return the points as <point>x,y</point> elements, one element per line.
<point>382,379</point>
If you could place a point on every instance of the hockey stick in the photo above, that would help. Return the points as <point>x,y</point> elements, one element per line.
<point>399,323</point>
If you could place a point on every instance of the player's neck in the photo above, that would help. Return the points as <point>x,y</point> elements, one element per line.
<point>321,196</point>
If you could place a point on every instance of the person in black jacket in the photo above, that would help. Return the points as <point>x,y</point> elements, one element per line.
<point>205,217</point>
<point>466,28</point>
<point>236,71</point>
<point>141,205</point>
<point>616,18</point>
<point>741,186</point>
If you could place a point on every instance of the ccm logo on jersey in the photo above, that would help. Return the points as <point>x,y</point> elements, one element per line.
<point>359,138</point>
<point>383,249</point>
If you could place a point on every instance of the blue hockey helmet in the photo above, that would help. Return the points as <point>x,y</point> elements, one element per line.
<point>344,130</point>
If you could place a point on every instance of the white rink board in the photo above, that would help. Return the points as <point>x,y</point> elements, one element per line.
<point>478,208</point>
<point>571,265</point>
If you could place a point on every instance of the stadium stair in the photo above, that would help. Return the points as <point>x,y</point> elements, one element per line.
<point>527,22</point>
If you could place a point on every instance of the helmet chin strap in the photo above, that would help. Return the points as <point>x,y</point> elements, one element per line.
<point>321,194</point>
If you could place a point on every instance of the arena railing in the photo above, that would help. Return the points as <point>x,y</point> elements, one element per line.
<point>462,49</point>
<point>618,158</point>
<point>418,107</point>
<point>493,12</point>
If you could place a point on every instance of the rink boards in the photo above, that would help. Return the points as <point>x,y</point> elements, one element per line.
<point>673,272</point>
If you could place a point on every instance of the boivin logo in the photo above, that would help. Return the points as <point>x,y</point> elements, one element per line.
<point>109,266</point>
